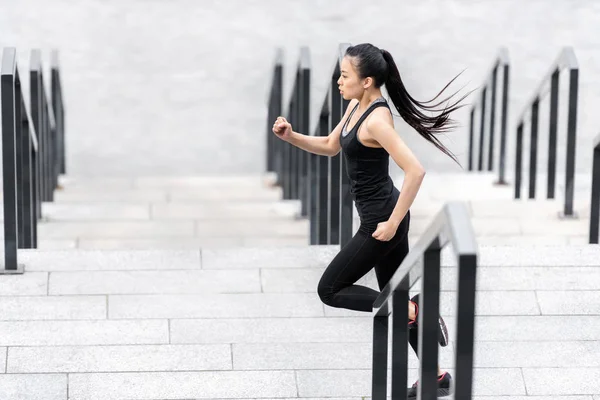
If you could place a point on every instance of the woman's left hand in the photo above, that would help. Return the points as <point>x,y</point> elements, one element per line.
<point>385,231</point>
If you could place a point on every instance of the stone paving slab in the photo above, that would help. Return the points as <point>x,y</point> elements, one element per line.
<point>337,383</point>
<point>141,229</point>
<point>34,387</point>
<point>316,356</point>
<point>143,358</point>
<point>29,284</point>
<point>487,303</point>
<point>256,210</point>
<point>182,385</point>
<point>164,244</point>
<point>154,282</point>
<point>89,195</point>
<point>214,305</point>
<point>314,256</point>
<point>20,308</point>
<point>3,354</point>
<point>280,228</point>
<point>257,181</point>
<point>99,260</point>
<point>574,302</point>
<point>541,354</point>
<point>359,329</point>
<point>537,328</point>
<point>220,194</point>
<point>561,381</point>
<point>56,244</point>
<point>272,330</point>
<point>95,212</point>
<point>89,333</point>
<point>488,255</point>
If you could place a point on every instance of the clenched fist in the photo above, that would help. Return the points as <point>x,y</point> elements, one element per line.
<point>282,128</point>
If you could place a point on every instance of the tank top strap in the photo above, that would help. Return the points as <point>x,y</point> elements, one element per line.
<point>368,111</point>
<point>345,127</point>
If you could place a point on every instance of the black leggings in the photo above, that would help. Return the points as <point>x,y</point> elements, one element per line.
<point>337,285</point>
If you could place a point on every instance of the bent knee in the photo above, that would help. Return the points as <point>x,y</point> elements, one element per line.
<point>325,293</point>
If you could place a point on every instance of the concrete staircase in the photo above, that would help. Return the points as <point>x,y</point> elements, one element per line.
<point>247,211</point>
<point>247,324</point>
<point>205,288</point>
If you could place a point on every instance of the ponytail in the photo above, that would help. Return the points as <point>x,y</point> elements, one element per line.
<point>410,109</point>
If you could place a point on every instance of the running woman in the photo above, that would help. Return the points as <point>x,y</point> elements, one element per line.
<point>367,138</point>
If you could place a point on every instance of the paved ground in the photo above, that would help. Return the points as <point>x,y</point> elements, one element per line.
<point>247,323</point>
<point>179,87</point>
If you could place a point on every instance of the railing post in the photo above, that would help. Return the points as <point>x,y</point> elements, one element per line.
<point>553,125</point>
<point>482,131</point>
<point>571,139</point>
<point>324,172</point>
<point>380,357</point>
<point>346,212</point>
<point>294,151</point>
<point>335,183</point>
<point>313,194</point>
<point>471,138</point>
<point>59,112</point>
<point>399,318</point>
<point>304,121</point>
<point>274,111</point>
<point>503,126</point>
<point>492,121</point>
<point>429,307</point>
<point>519,161</point>
<point>595,201</point>
<point>465,325</point>
<point>9,159</point>
<point>533,147</point>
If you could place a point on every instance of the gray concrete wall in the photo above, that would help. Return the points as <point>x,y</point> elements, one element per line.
<point>180,86</point>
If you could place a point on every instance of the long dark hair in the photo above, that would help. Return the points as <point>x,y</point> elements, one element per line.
<point>370,61</point>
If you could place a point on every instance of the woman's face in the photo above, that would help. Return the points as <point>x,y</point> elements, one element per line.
<point>350,85</point>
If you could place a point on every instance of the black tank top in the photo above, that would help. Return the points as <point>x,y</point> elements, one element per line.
<point>371,186</point>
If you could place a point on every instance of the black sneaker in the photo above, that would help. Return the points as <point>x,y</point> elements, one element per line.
<point>443,337</point>
<point>444,387</point>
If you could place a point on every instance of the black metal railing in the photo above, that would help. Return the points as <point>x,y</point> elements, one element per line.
<point>274,153</point>
<point>19,166</point>
<point>595,202</point>
<point>502,64</point>
<point>320,182</point>
<point>451,225</point>
<point>33,149</point>
<point>566,60</point>
<point>289,162</point>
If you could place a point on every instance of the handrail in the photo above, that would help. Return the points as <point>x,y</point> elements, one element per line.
<point>20,166</point>
<point>501,61</point>
<point>566,60</point>
<point>450,225</point>
<point>595,203</point>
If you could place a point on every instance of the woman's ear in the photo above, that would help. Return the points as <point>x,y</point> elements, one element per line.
<point>368,82</point>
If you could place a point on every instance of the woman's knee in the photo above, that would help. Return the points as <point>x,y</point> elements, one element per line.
<point>325,292</point>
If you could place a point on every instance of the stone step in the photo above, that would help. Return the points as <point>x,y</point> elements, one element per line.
<point>172,229</point>
<point>206,181</point>
<point>94,194</point>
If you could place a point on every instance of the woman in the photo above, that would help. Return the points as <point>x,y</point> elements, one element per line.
<point>367,137</point>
